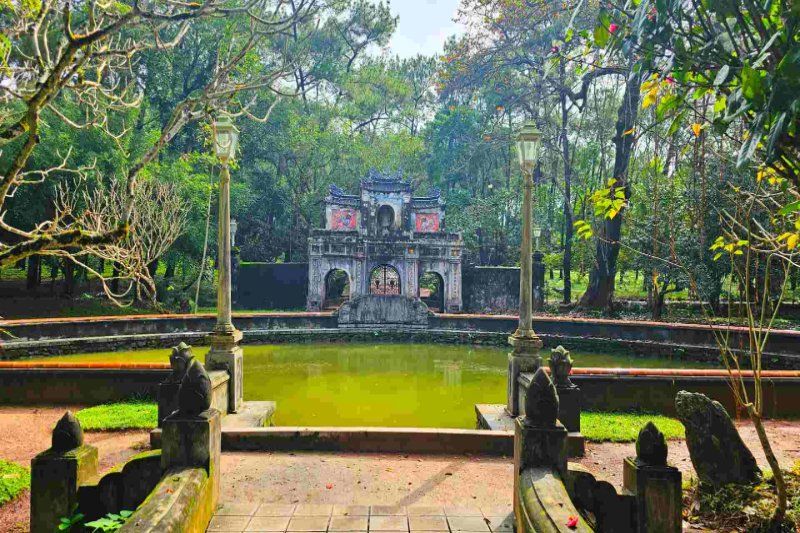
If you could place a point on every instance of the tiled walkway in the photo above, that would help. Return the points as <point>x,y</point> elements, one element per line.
<point>306,518</point>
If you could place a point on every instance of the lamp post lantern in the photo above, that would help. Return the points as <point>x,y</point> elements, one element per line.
<point>525,344</point>
<point>225,352</point>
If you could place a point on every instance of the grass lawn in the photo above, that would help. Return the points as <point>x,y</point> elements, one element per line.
<point>624,427</point>
<point>13,480</point>
<point>596,426</point>
<point>119,416</point>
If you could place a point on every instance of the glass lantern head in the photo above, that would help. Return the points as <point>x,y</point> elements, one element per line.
<point>529,140</point>
<point>226,138</point>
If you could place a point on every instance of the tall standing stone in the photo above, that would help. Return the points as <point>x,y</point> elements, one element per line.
<point>718,453</point>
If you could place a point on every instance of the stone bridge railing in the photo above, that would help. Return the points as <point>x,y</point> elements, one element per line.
<point>174,489</point>
<point>551,495</point>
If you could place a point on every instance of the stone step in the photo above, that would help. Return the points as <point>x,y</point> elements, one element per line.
<point>495,418</point>
<point>251,415</point>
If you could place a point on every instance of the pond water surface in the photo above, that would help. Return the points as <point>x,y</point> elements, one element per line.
<point>398,385</point>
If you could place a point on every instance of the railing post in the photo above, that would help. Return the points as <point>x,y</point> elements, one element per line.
<point>539,438</point>
<point>192,435</point>
<point>656,485</point>
<point>57,473</point>
<point>569,398</point>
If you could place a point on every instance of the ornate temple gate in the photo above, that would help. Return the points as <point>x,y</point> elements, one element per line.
<point>384,239</point>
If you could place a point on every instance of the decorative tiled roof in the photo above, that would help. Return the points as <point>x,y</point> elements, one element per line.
<point>339,197</point>
<point>380,182</point>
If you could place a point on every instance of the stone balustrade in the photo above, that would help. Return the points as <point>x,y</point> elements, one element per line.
<point>174,489</point>
<point>553,495</point>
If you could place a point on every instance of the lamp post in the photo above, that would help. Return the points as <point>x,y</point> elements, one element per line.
<point>225,352</point>
<point>525,344</point>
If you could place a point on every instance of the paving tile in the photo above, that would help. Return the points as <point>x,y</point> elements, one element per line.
<point>425,510</point>
<point>348,523</point>
<point>275,509</point>
<point>462,510</point>
<point>313,509</point>
<point>503,524</point>
<point>228,523</point>
<point>236,509</point>
<point>388,523</point>
<point>427,523</point>
<point>387,510</point>
<point>351,510</point>
<point>268,523</point>
<point>468,523</point>
<point>499,510</point>
<point>308,523</point>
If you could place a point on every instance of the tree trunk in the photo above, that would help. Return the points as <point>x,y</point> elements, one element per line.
<point>780,483</point>
<point>169,273</point>
<point>34,276</point>
<point>69,278</point>
<point>600,291</point>
<point>567,196</point>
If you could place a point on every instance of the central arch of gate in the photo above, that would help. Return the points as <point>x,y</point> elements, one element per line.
<point>384,239</point>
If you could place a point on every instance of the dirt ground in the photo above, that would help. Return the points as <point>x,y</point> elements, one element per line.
<point>357,479</point>
<point>26,431</point>
<point>605,459</point>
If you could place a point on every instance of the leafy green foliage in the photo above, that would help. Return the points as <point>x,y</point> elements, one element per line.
<point>744,507</point>
<point>13,480</point>
<point>119,416</point>
<point>110,522</point>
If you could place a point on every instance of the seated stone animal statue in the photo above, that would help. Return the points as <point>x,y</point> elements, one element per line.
<point>194,394</point>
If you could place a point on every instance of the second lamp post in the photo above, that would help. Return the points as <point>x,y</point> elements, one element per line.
<point>525,344</point>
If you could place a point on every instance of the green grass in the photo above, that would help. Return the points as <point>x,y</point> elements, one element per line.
<point>595,426</point>
<point>624,427</point>
<point>119,416</point>
<point>13,480</point>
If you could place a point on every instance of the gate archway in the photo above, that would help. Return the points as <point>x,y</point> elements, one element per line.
<point>337,288</point>
<point>384,280</point>
<point>431,290</point>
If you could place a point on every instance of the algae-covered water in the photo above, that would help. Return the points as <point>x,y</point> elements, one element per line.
<point>399,385</point>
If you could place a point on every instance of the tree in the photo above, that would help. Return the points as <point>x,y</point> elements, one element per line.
<point>80,65</point>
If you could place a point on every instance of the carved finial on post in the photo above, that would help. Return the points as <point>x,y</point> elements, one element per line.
<point>651,446</point>
<point>560,367</point>
<point>68,434</point>
<point>194,395</point>
<point>541,402</point>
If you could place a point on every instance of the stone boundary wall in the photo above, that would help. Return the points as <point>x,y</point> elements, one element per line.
<point>490,289</point>
<point>75,335</point>
<point>271,286</point>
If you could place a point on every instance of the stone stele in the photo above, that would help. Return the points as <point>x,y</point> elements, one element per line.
<point>718,453</point>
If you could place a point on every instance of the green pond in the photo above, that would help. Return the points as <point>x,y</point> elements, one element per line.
<point>398,385</point>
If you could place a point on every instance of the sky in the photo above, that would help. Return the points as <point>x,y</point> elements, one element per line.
<point>424,26</point>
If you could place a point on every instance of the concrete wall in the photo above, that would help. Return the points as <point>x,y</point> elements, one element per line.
<point>691,341</point>
<point>490,289</point>
<point>605,390</point>
<point>656,394</point>
<point>77,386</point>
<point>272,286</point>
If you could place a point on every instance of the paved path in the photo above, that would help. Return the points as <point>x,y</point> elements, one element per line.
<point>317,492</point>
<point>241,517</point>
